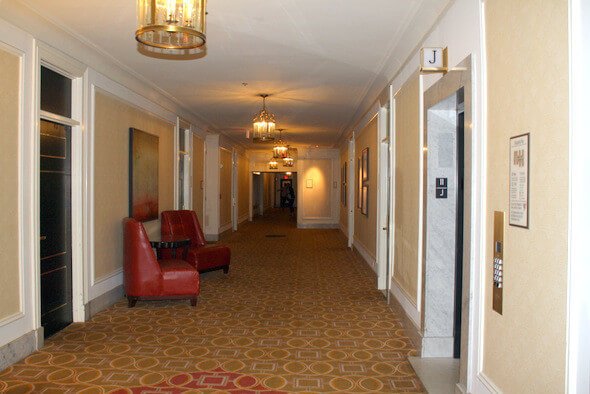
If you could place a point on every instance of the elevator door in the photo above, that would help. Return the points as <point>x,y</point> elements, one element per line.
<point>55,225</point>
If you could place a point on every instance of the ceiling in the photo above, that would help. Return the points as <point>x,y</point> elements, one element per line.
<point>322,61</point>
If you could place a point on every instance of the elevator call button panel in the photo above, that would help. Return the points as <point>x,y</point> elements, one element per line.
<point>498,262</point>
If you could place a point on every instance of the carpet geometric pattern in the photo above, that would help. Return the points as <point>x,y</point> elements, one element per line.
<point>295,314</point>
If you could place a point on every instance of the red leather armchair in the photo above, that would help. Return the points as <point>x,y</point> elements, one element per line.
<point>146,278</point>
<point>204,257</point>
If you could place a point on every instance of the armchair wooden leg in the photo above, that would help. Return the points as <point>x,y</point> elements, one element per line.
<point>131,301</point>
<point>226,269</point>
<point>194,301</point>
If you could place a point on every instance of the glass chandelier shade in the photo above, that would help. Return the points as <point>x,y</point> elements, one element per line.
<point>263,124</point>
<point>280,149</point>
<point>273,165</point>
<point>171,24</point>
<point>288,161</point>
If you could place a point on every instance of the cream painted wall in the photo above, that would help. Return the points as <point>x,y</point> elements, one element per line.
<point>365,227</point>
<point>198,175</point>
<point>225,187</point>
<point>315,202</point>
<point>243,186</point>
<point>408,156</point>
<point>525,348</point>
<point>343,208</point>
<point>113,118</point>
<point>9,131</point>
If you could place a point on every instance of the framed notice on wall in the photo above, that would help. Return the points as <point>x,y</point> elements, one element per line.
<point>519,181</point>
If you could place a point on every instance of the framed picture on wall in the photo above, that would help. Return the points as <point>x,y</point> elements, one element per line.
<point>143,175</point>
<point>365,201</point>
<point>365,164</point>
<point>359,183</point>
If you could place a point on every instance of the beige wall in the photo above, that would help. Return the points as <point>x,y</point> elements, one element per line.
<point>527,53</point>
<point>343,208</point>
<point>408,154</point>
<point>113,118</point>
<point>225,187</point>
<point>9,122</point>
<point>198,175</point>
<point>315,202</point>
<point>243,186</point>
<point>365,227</point>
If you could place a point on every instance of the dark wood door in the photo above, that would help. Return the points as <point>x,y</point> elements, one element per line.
<point>55,223</point>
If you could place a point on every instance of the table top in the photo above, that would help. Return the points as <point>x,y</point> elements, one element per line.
<point>169,242</point>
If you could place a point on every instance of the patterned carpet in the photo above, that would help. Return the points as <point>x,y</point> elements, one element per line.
<point>295,314</point>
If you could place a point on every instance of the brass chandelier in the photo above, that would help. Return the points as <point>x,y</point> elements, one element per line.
<point>263,124</point>
<point>171,24</point>
<point>279,150</point>
<point>288,159</point>
<point>272,164</point>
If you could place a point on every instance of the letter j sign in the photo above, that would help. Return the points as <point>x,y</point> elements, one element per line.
<point>433,59</point>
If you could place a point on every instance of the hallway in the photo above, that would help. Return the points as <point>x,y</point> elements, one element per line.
<point>295,313</point>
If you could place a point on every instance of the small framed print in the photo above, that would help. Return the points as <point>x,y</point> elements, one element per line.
<point>365,164</point>
<point>309,183</point>
<point>359,183</point>
<point>365,201</point>
<point>519,181</point>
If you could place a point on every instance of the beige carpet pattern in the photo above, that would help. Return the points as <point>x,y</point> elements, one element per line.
<point>298,313</point>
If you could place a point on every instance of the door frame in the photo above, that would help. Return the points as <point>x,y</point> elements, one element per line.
<point>382,207</point>
<point>81,163</point>
<point>461,77</point>
<point>578,315</point>
<point>351,190</point>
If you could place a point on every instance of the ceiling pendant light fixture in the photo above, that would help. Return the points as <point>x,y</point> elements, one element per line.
<point>263,124</point>
<point>272,164</point>
<point>171,24</point>
<point>279,150</point>
<point>288,161</point>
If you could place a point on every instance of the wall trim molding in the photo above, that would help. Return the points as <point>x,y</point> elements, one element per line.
<point>370,260</point>
<point>407,305</point>
<point>484,385</point>
<point>243,218</point>
<point>104,301</point>
<point>105,284</point>
<point>317,225</point>
<point>225,227</point>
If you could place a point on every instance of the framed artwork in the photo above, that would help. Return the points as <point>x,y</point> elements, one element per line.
<point>519,181</point>
<point>365,164</point>
<point>359,183</point>
<point>365,201</point>
<point>143,175</point>
<point>343,183</point>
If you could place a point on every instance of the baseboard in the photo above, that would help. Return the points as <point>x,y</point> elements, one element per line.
<point>410,326</point>
<point>20,348</point>
<point>484,385</point>
<point>343,229</point>
<point>105,284</point>
<point>225,227</point>
<point>317,225</point>
<point>366,255</point>
<point>243,218</point>
<point>103,301</point>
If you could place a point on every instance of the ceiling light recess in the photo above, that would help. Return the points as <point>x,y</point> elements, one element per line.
<point>263,124</point>
<point>171,24</point>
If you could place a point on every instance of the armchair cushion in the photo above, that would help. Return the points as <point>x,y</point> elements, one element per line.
<point>202,256</point>
<point>179,278</point>
<point>209,257</point>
